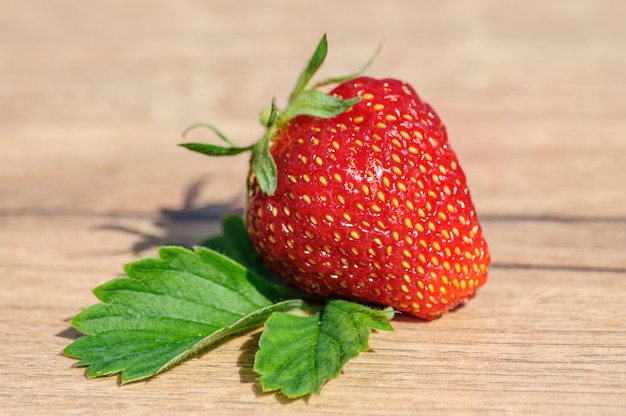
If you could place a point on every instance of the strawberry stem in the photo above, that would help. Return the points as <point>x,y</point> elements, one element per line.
<point>302,101</point>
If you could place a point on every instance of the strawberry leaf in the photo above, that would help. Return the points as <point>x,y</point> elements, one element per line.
<point>340,79</point>
<point>316,103</point>
<point>214,150</point>
<point>263,166</point>
<point>168,309</point>
<point>272,115</point>
<point>297,355</point>
<point>235,243</point>
<point>211,127</point>
<point>313,65</point>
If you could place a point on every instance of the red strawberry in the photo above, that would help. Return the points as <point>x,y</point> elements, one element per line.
<point>370,203</point>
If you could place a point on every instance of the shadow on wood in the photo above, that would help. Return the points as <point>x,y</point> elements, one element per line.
<point>180,226</point>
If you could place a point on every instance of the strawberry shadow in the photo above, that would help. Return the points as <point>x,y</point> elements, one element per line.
<point>187,225</point>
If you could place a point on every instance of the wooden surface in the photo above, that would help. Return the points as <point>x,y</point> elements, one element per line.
<point>94,95</point>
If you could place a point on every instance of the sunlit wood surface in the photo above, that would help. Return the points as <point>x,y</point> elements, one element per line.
<point>94,96</point>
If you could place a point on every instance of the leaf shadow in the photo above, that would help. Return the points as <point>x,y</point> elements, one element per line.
<point>187,225</point>
<point>70,334</point>
<point>245,362</point>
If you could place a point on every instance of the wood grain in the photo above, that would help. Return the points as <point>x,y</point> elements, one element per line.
<point>94,95</point>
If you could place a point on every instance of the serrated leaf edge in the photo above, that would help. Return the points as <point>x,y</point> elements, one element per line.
<point>379,320</point>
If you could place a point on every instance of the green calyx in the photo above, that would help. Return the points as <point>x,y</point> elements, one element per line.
<point>304,100</point>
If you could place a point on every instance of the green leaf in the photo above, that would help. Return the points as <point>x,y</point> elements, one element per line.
<point>273,114</point>
<point>167,309</point>
<point>297,355</point>
<point>211,149</point>
<point>314,64</point>
<point>264,166</point>
<point>214,150</point>
<point>318,104</point>
<point>268,115</point>
<point>340,79</point>
<point>235,243</point>
<point>210,127</point>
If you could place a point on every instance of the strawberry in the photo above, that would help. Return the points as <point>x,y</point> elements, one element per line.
<point>365,201</point>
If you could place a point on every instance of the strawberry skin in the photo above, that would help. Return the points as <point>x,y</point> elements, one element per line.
<point>371,205</point>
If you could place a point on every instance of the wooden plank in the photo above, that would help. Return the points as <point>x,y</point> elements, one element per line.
<point>533,340</point>
<point>93,97</point>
